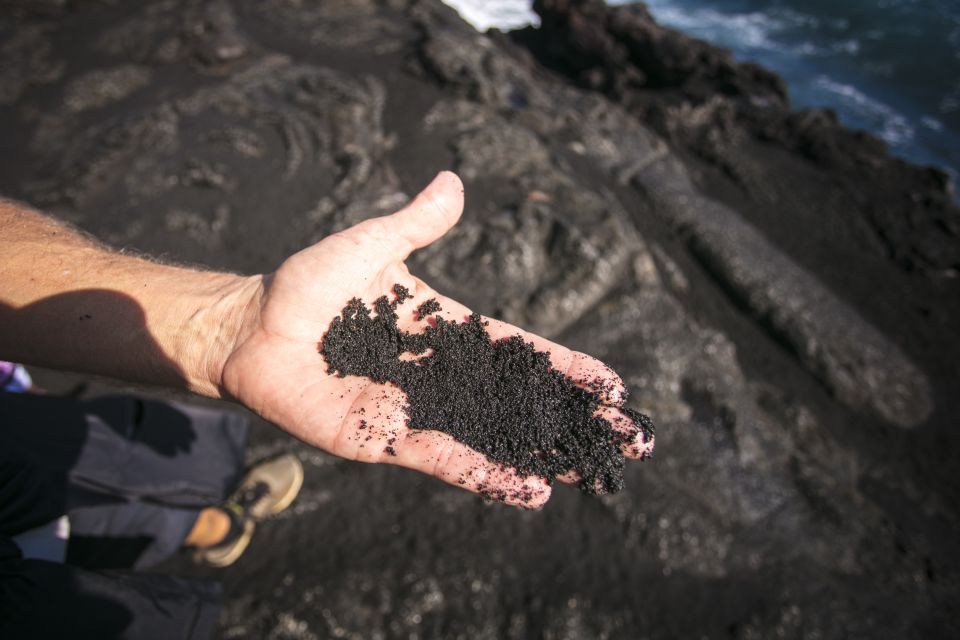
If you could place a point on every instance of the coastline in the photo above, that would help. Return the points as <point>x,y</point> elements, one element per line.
<point>840,57</point>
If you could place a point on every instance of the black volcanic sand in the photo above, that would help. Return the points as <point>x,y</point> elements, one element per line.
<point>502,398</point>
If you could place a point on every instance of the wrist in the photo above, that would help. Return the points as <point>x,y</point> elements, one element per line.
<point>217,324</point>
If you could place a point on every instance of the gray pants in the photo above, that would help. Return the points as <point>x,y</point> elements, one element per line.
<point>132,475</point>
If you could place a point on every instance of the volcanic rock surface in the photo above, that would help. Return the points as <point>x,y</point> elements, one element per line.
<point>779,292</point>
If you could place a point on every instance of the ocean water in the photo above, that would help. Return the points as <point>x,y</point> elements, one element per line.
<point>891,67</point>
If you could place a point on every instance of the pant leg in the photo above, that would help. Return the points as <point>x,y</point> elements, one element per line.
<point>40,599</point>
<point>35,460</point>
<point>173,461</point>
<point>160,452</point>
<point>128,471</point>
<point>133,534</point>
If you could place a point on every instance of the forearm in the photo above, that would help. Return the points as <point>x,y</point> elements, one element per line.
<point>68,303</point>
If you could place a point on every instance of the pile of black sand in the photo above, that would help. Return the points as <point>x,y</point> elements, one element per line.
<point>502,398</point>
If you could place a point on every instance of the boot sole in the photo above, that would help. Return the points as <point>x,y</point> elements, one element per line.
<point>287,498</point>
<point>231,556</point>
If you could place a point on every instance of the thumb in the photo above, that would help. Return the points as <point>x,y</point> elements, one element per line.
<point>428,216</point>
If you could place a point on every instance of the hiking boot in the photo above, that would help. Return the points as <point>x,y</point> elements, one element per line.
<point>268,488</point>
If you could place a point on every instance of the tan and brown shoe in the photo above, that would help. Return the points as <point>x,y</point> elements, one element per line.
<point>268,488</point>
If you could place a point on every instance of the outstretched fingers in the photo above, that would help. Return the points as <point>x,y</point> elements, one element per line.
<point>635,441</point>
<point>584,370</point>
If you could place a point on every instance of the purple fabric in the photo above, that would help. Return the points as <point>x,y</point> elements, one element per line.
<point>14,377</point>
<point>6,372</point>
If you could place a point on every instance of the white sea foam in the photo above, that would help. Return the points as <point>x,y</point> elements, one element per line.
<point>849,47</point>
<point>752,30</point>
<point>760,31</point>
<point>502,14</point>
<point>889,124</point>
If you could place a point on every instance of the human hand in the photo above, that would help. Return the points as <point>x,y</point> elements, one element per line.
<point>273,365</point>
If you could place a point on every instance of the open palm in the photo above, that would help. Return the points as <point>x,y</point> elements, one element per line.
<point>276,369</point>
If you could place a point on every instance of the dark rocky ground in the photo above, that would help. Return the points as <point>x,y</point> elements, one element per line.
<point>780,293</point>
